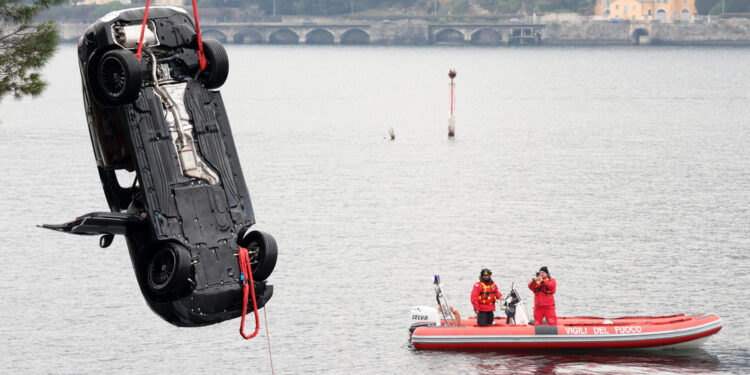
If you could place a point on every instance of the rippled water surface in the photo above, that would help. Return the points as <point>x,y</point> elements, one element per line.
<point>625,170</point>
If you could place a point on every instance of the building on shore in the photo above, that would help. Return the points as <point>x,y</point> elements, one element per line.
<point>647,10</point>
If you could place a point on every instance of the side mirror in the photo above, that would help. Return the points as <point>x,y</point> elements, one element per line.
<point>105,240</point>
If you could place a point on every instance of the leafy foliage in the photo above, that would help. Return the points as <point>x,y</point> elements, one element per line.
<point>25,46</point>
<point>460,6</point>
<point>731,6</point>
<point>704,6</point>
<point>715,6</point>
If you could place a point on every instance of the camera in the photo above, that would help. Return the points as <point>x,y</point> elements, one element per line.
<point>537,274</point>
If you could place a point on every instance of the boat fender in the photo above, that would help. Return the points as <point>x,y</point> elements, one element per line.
<point>455,314</point>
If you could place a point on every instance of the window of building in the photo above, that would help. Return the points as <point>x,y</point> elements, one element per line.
<point>661,15</point>
<point>617,7</point>
<point>685,14</point>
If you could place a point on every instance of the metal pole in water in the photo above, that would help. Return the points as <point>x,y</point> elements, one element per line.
<point>452,119</point>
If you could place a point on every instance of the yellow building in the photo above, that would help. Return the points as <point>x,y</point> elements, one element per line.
<point>646,10</point>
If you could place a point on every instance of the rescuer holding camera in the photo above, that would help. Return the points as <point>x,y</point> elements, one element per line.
<point>544,288</point>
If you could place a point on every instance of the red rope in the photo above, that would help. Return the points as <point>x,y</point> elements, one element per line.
<point>246,270</point>
<point>143,28</point>
<point>201,56</point>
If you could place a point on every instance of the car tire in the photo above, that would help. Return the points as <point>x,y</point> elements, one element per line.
<point>217,67</point>
<point>119,76</point>
<point>169,269</point>
<point>263,253</point>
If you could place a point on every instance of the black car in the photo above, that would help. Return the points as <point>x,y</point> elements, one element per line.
<point>187,209</point>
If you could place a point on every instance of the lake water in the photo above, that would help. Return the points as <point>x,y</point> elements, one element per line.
<point>624,170</point>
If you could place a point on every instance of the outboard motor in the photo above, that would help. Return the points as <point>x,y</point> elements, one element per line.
<point>423,316</point>
<point>515,311</point>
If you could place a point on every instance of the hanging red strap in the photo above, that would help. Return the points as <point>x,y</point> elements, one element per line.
<point>143,28</point>
<point>246,270</point>
<point>201,56</point>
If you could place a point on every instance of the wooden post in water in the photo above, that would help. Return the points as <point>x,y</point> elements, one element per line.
<point>452,119</point>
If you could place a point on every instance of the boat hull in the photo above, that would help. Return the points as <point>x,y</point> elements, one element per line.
<point>677,331</point>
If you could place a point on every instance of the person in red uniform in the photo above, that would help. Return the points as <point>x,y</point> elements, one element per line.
<point>483,298</point>
<point>544,288</point>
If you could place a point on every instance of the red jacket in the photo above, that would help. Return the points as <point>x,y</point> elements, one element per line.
<point>544,292</point>
<point>483,296</point>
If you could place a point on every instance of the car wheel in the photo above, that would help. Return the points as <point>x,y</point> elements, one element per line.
<point>263,252</point>
<point>217,67</point>
<point>169,269</point>
<point>119,76</point>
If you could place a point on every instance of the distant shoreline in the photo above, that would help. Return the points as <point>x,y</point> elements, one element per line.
<point>582,44</point>
<point>580,32</point>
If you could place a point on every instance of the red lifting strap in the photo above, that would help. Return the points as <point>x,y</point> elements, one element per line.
<point>246,270</point>
<point>201,55</point>
<point>143,28</point>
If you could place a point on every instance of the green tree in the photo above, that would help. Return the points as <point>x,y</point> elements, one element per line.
<point>704,6</point>
<point>460,6</point>
<point>25,46</point>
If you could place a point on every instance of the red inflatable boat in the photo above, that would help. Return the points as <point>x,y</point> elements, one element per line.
<point>443,329</point>
<point>571,333</point>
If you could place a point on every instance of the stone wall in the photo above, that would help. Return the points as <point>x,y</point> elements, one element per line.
<point>404,32</point>
<point>723,32</point>
<point>586,33</point>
